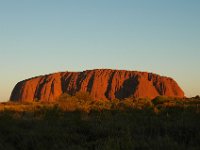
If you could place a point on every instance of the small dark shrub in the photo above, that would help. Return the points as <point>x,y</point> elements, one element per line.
<point>160,100</point>
<point>197,97</point>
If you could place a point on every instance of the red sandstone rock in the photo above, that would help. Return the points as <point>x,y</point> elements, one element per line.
<point>101,84</point>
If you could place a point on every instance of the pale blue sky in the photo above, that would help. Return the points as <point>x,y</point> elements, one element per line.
<point>44,36</point>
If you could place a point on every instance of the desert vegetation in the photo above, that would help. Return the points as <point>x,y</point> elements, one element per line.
<point>79,122</point>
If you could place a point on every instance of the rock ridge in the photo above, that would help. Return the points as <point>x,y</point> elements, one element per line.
<point>105,84</point>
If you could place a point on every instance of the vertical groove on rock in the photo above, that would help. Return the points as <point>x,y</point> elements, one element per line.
<point>80,79</point>
<point>65,80</point>
<point>90,83</point>
<point>107,93</point>
<point>39,87</point>
<point>128,87</point>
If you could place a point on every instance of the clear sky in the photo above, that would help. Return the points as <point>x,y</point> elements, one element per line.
<point>44,36</point>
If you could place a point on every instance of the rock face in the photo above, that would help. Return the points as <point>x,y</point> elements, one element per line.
<point>101,84</point>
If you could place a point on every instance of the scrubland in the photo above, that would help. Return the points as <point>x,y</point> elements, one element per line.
<point>79,122</point>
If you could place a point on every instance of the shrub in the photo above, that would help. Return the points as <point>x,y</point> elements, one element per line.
<point>64,97</point>
<point>85,96</point>
<point>160,100</point>
<point>197,97</point>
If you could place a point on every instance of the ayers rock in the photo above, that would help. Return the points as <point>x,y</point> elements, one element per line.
<point>103,84</point>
